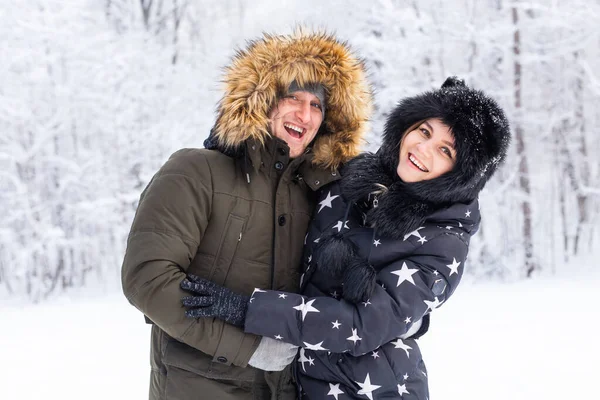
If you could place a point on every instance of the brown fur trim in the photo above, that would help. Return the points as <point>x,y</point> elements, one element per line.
<point>260,73</point>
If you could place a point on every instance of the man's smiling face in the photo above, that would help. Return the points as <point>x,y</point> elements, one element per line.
<point>296,120</point>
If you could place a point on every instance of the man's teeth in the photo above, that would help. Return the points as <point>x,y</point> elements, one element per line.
<point>418,164</point>
<point>294,127</point>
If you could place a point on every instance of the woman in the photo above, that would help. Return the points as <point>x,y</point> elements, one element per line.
<point>386,246</point>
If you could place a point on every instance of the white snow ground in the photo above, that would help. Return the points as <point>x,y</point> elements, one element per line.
<point>527,340</point>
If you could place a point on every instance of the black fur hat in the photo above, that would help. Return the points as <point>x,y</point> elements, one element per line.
<point>481,134</point>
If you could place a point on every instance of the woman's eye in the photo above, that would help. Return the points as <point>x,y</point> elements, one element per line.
<point>316,105</point>
<point>425,132</point>
<point>447,151</point>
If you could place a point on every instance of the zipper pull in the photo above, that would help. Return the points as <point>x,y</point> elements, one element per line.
<point>240,238</point>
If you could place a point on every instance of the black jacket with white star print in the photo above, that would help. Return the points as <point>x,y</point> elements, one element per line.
<point>368,349</point>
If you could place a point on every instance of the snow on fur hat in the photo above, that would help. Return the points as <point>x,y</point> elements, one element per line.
<point>481,134</point>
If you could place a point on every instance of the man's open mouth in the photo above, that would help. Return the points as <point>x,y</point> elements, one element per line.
<point>294,131</point>
<point>416,163</point>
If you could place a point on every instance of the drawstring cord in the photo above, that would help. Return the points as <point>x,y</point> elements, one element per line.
<point>245,169</point>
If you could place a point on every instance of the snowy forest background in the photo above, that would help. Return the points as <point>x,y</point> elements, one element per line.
<point>96,94</point>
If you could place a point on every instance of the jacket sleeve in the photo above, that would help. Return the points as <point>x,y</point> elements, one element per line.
<point>170,221</point>
<point>408,289</point>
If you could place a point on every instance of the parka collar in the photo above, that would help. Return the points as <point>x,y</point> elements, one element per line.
<point>274,148</point>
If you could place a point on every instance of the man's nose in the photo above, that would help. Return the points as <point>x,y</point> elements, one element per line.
<point>303,111</point>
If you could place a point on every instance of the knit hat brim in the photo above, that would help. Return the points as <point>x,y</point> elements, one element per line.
<point>315,88</point>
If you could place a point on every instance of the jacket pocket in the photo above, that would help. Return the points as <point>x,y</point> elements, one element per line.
<point>232,235</point>
<point>179,356</point>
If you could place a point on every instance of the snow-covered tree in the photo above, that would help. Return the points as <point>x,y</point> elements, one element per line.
<point>95,95</point>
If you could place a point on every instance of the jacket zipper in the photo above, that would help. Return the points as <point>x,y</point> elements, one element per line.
<point>273,246</point>
<point>273,236</point>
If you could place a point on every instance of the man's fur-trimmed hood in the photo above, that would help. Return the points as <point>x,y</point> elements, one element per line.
<point>259,75</point>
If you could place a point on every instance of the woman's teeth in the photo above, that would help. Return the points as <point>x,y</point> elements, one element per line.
<point>417,163</point>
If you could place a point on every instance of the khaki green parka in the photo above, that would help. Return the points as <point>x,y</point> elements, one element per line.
<point>237,213</point>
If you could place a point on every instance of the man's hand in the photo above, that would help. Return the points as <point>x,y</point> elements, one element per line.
<point>212,300</point>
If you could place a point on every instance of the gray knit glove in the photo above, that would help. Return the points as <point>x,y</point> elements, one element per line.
<point>212,300</point>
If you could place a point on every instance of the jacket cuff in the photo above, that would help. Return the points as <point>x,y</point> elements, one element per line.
<point>235,347</point>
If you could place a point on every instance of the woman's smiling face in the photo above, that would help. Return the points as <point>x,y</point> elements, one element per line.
<point>426,152</point>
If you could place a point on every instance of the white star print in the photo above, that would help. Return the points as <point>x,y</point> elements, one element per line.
<point>448,227</point>
<point>335,294</point>
<point>407,320</point>
<point>366,303</point>
<point>278,337</point>
<point>377,242</point>
<point>354,338</point>
<point>257,290</point>
<point>282,295</point>
<point>454,266</point>
<point>326,202</point>
<point>306,308</point>
<point>468,214</point>
<point>367,388</point>
<point>341,224</point>
<point>405,376</point>
<point>302,359</point>
<point>415,233</point>
<point>405,274</point>
<point>316,240</point>
<point>310,258</point>
<point>431,305</point>
<point>459,225</point>
<point>402,390</point>
<point>399,344</point>
<point>375,354</point>
<point>317,346</point>
<point>336,324</point>
<point>334,390</point>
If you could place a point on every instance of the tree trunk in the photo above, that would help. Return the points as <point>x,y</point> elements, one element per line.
<point>530,265</point>
<point>582,197</point>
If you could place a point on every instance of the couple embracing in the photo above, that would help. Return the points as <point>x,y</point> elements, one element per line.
<point>280,262</point>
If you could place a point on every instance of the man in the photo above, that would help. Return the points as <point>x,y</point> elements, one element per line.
<point>294,109</point>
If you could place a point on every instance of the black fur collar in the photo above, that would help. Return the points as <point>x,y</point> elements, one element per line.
<point>401,208</point>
